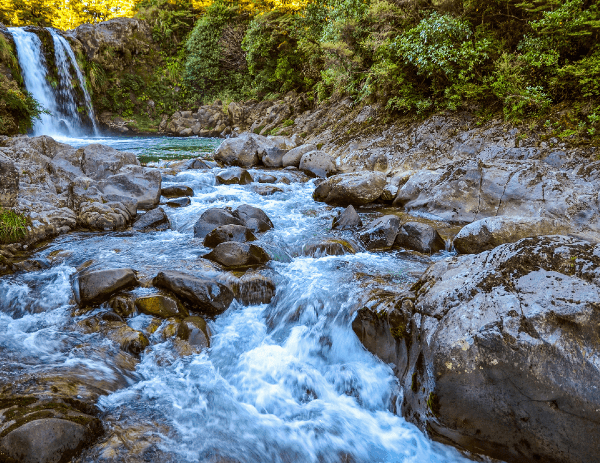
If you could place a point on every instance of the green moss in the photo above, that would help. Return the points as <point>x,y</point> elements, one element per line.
<point>414,386</point>
<point>287,123</point>
<point>258,129</point>
<point>399,332</point>
<point>433,404</point>
<point>319,145</point>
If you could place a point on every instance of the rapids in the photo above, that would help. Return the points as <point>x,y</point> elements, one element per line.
<point>283,382</point>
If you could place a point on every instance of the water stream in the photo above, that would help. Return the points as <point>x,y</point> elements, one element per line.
<point>282,382</point>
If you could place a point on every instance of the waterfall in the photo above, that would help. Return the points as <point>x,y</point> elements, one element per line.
<point>57,94</point>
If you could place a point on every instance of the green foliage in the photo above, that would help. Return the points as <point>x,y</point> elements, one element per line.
<point>13,226</point>
<point>18,109</point>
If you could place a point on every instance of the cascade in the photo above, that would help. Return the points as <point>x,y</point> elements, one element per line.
<point>56,95</point>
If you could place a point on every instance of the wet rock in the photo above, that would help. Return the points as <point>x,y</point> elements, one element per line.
<point>99,161</point>
<point>177,191</point>
<point>200,293</point>
<point>265,178</point>
<point>95,286</point>
<point>238,255</point>
<point>499,363</point>
<point>128,339</point>
<point>213,218</point>
<point>293,156</point>
<point>253,288</point>
<point>156,219</point>
<point>196,164</point>
<point>348,219</point>
<point>140,183</point>
<point>381,233</point>
<point>266,190</point>
<point>179,202</point>
<point>419,237</point>
<point>9,182</point>
<point>160,306</point>
<point>226,233</point>
<point>328,247</point>
<point>253,218</point>
<point>273,157</point>
<point>104,216</point>
<point>356,188</point>
<point>49,440</point>
<point>234,176</point>
<point>486,234</point>
<point>317,164</point>
<point>124,306</point>
<point>195,331</point>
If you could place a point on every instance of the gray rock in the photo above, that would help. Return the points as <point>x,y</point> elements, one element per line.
<point>213,218</point>
<point>486,234</point>
<point>348,219</point>
<point>317,164</point>
<point>381,233</point>
<point>9,182</point>
<point>103,216</point>
<point>99,161</point>
<point>293,156</point>
<point>49,440</point>
<point>419,237</point>
<point>266,178</point>
<point>195,331</point>
<point>356,188</point>
<point>226,233</point>
<point>253,288</point>
<point>200,293</point>
<point>196,164</point>
<point>234,176</point>
<point>273,157</point>
<point>156,219</point>
<point>179,202</point>
<point>232,254</point>
<point>92,287</point>
<point>321,247</point>
<point>266,190</point>
<point>378,162</point>
<point>242,151</point>
<point>176,191</point>
<point>253,218</point>
<point>140,183</point>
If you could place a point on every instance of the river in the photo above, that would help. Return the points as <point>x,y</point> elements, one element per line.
<point>282,382</point>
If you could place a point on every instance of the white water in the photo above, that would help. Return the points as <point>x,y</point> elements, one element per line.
<point>282,382</point>
<point>60,102</point>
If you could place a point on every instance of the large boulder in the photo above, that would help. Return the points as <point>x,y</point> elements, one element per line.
<point>232,254</point>
<point>381,233</point>
<point>245,150</point>
<point>156,219</point>
<point>501,351</point>
<point>140,183</point>
<point>254,288</point>
<point>113,215</point>
<point>9,182</point>
<point>201,293</point>
<point>225,233</point>
<point>294,156</point>
<point>99,161</point>
<point>419,237</point>
<point>273,157</point>
<point>97,286</point>
<point>485,234</point>
<point>356,188</point>
<point>214,218</point>
<point>253,218</point>
<point>234,176</point>
<point>468,190</point>
<point>176,191</point>
<point>160,306</point>
<point>317,164</point>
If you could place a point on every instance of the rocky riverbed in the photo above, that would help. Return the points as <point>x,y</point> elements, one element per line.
<point>224,307</point>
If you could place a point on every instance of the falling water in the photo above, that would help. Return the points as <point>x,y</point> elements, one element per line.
<point>61,101</point>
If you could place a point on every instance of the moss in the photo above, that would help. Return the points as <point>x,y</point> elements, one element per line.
<point>399,331</point>
<point>319,145</point>
<point>414,386</point>
<point>259,129</point>
<point>433,404</point>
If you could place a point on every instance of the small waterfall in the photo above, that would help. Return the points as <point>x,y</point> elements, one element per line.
<point>55,93</point>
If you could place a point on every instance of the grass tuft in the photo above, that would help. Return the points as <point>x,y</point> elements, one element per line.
<point>13,226</point>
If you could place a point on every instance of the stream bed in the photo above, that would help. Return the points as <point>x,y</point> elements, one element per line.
<point>286,381</point>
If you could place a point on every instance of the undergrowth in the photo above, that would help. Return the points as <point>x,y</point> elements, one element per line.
<point>13,226</point>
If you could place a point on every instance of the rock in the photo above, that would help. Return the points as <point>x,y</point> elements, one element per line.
<point>200,293</point>
<point>99,162</point>
<point>140,183</point>
<point>104,216</point>
<point>348,219</point>
<point>124,306</point>
<point>293,156</point>
<point>356,188</point>
<point>328,247</point>
<point>253,288</point>
<point>91,287</point>
<point>381,233</point>
<point>253,218</point>
<point>156,219</point>
<point>419,237</point>
<point>265,178</point>
<point>378,162</point>
<point>128,339</point>
<point>196,164</point>
<point>232,254</point>
<point>317,164</point>
<point>500,362</point>
<point>266,190</point>
<point>226,233</point>
<point>179,202</point>
<point>49,440</point>
<point>213,218</point>
<point>241,151</point>
<point>234,176</point>
<point>235,112</point>
<point>177,191</point>
<point>273,157</point>
<point>195,331</point>
<point>485,234</point>
<point>9,182</point>
<point>160,306</point>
